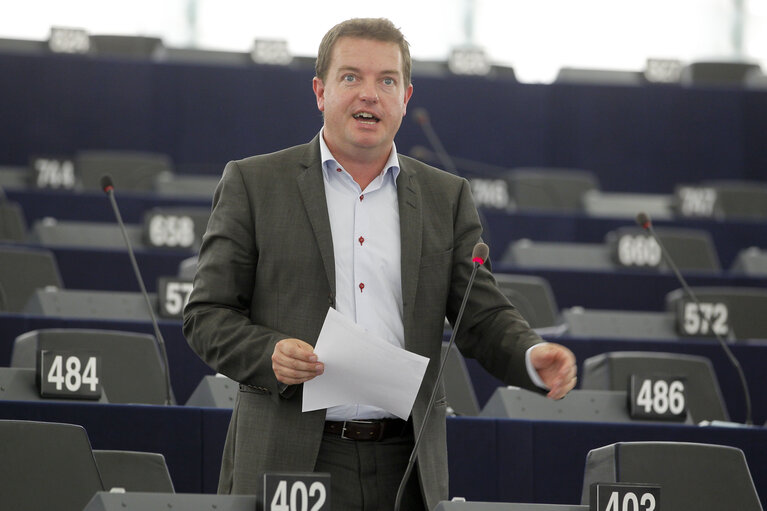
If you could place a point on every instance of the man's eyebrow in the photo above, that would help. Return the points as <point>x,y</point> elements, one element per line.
<point>344,69</point>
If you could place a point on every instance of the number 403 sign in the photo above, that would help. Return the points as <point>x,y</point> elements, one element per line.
<point>624,497</point>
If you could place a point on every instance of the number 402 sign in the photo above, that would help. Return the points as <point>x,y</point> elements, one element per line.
<point>297,492</point>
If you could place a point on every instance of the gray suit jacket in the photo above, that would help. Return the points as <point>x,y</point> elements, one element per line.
<point>266,272</point>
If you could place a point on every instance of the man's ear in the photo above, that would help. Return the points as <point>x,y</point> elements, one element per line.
<point>319,91</point>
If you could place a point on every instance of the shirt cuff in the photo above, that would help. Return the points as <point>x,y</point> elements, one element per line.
<point>531,370</point>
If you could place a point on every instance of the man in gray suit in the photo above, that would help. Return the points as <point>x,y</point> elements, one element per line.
<point>346,222</point>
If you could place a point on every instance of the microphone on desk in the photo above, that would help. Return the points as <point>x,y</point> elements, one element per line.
<point>108,186</point>
<point>478,257</point>
<point>421,117</point>
<point>643,219</point>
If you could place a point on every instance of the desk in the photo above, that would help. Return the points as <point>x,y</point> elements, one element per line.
<point>489,459</point>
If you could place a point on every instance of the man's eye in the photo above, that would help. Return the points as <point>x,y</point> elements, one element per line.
<point>388,81</point>
<point>349,78</point>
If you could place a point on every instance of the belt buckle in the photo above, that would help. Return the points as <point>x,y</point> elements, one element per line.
<point>343,428</point>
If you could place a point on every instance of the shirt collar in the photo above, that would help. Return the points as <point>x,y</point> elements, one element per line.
<point>330,163</point>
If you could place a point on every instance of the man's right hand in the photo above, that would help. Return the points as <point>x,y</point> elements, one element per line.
<point>294,362</point>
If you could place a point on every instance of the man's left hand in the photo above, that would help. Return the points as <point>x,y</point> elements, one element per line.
<point>556,367</point>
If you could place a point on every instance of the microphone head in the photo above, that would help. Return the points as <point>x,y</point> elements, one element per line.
<point>480,253</point>
<point>421,115</point>
<point>643,219</point>
<point>106,183</point>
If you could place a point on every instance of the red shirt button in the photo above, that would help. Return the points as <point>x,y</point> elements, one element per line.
<point>361,240</point>
<point>362,286</point>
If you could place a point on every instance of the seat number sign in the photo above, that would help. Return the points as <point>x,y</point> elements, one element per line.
<point>75,375</point>
<point>297,492</point>
<point>657,397</point>
<point>624,497</point>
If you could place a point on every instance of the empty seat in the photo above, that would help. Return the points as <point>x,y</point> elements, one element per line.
<point>46,466</point>
<point>736,312</point>
<point>550,189</point>
<point>613,370</point>
<point>214,392</point>
<point>532,296</point>
<point>750,261</point>
<point>619,324</point>
<point>721,73</point>
<point>130,170</point>
<point>50,232</point>
<point>549,254</point>
<point>580,406</point>
<point>599,76</point>
<point>20,384</point>
<point>175,185</point>
<point>690,249</point>
<point>133,471</point>
<point>24,270</point>
<point>131,366</point>
<point>597,203</point>
<point>695,476</point>
<point>459,389</point>
<point>13,225</point>
<point>126,46</point>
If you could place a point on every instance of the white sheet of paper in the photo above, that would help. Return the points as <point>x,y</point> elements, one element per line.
<point>361,369</point>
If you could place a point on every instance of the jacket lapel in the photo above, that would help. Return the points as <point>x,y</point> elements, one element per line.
<point>411,226</point>
<point>312,189</point>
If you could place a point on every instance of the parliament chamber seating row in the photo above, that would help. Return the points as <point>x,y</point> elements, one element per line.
<point>556,234</point>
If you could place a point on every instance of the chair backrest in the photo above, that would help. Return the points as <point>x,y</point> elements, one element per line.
<point>142,501</point>
<point>740,309</point>
<point>552,254</point>
<point>131,367</point>
<point>553,189</point>
<point>695,476</point>
<point>459,389</point>
<point>503,506</point>
<point>22,271</point>
<point>691,249</point>
<point>532,296</point>
<point>613,370</point>
<point>133,471</point>
<point>87,304</point>
<point>619,324</point>
<point>126,45</point>
<point>716,73</point>
<point>214,392</point>
<point>13,225</point>
<point>130,170</point>
<point>50,232</point>
<point>750,261</point>
<point>46,466</point>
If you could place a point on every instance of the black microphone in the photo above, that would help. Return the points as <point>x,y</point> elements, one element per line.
<point>478,257</point>
<point>422,119</point>
<point>643,219</point>
<point>109,189</point>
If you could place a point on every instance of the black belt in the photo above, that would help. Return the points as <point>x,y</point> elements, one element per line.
<point>370,430</point>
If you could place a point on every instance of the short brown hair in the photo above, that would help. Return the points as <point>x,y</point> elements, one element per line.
<point>378,29</point>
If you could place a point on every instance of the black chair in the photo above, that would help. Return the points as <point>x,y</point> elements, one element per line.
<point>46,466</point>
<point>459,389</point>
<point>214,392</point>
<point>695,476</point>
<point>24,270</point>
<point>532,296</point>
<point>131,367</point>
<point>750,261</point>
<point>613,370</point>
<point>133,471</point>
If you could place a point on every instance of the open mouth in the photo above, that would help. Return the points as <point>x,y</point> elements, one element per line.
<point>366,117</point>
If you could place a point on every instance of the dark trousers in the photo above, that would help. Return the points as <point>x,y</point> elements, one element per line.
<point>365,475</point>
